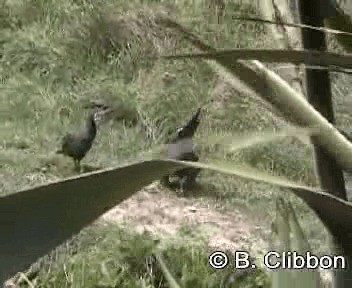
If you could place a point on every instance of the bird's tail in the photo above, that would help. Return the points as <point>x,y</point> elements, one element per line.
<point>193,123</point>
<point>195,119</point>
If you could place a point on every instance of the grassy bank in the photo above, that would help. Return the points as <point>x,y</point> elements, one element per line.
<point>55,56</point>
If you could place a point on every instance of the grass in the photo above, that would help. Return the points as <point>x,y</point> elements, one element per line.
<point>127,259</point>
<point>57,55</point>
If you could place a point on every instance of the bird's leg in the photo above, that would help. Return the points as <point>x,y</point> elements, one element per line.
<point>77,165</point>
<point>165,181</point>
<point>194,172</point>
<point>182,183</point>
<point>188,180</point>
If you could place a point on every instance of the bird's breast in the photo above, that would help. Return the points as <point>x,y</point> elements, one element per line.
<point>182,146</point>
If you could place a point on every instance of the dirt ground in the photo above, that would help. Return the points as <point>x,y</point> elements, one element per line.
<point>162,213</point>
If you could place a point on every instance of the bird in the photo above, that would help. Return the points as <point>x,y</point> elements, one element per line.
<point>76,145</point>
<point>181,148</point>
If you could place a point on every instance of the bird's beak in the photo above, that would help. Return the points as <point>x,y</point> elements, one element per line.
<point>97,117</point>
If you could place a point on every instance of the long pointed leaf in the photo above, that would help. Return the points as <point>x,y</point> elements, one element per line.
<point>300,242</point>
<point>246,171</point>
<point>35,221</point>
<point>292,239</point>
<point>307,278</point>
<point>239,142</point>
<point>282,277</point>
<point>323,29</point>
<point>170,279</point>
<point>274,56</point>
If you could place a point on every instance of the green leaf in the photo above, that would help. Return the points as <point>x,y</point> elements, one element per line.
<point>292,239</point>
<point>307,278</point>
<point>246,171</point>
<point>307,57</point>
<point>299,242</point>
<point>266,21</point>
<point>170,279</point>
<point>239,142</point>
<point>282,224</point>
<point>282,278</point>
<point>35,221</point>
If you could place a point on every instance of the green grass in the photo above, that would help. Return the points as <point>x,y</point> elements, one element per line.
<point>127,259</point>
<point>57,55</point>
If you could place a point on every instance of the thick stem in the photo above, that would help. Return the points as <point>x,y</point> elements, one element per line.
<point>319,95</point>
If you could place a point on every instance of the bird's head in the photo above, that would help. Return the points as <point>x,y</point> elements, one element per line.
<point>97,115</point>
<point>96,104</point>
<point>190,128</point>
<point>179,130</point>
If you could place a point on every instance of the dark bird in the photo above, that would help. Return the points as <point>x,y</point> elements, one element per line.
<point>77,144</point>
<point>181,148</point>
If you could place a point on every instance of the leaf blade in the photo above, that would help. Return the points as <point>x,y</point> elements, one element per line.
<point>36,220</point>
<point>308,57</point>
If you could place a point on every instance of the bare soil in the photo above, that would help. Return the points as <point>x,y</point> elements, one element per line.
<point>162,213</point>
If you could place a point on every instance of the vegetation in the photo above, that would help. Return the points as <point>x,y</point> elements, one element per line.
<point>56,56</point>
